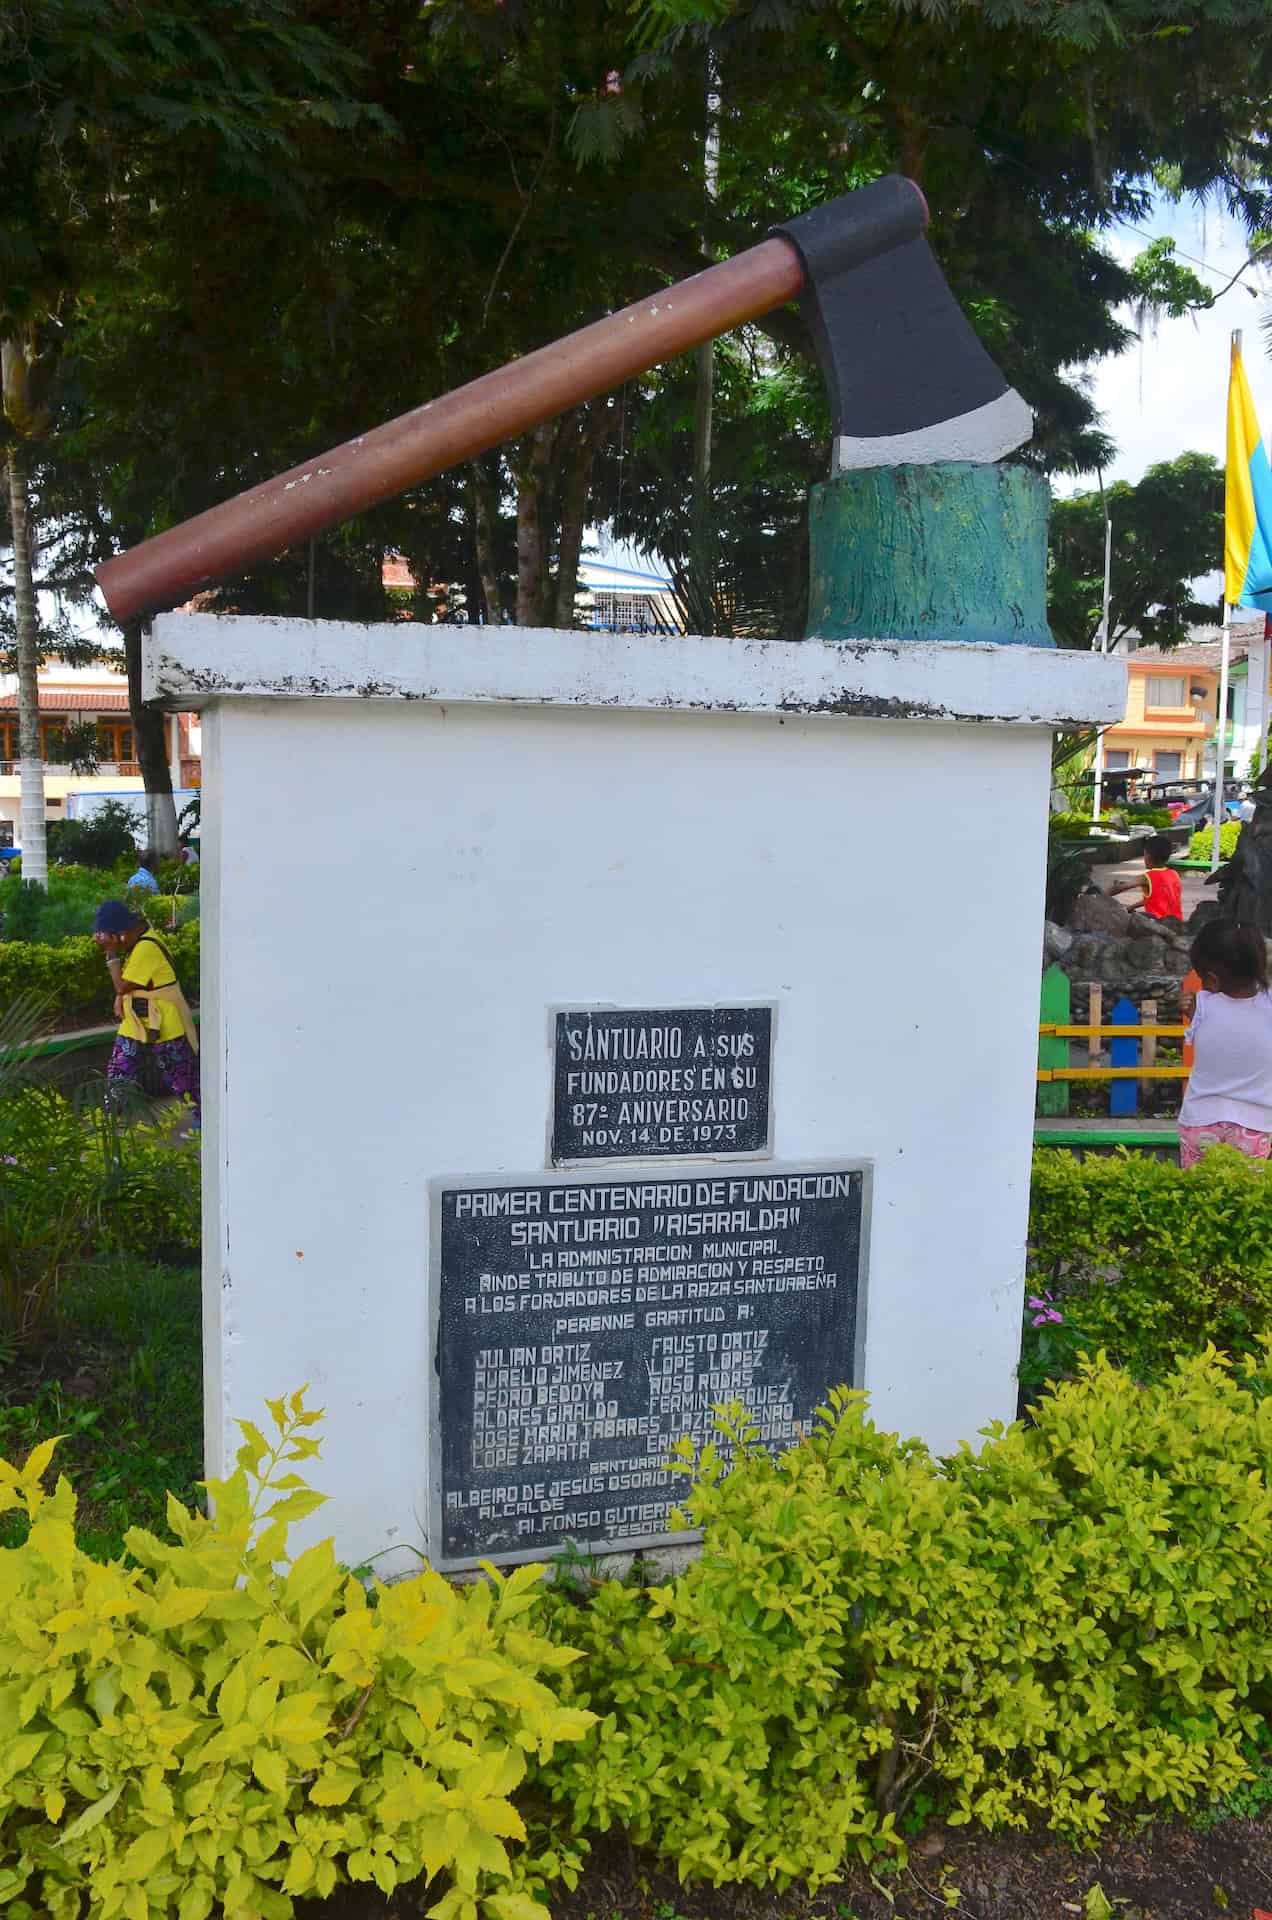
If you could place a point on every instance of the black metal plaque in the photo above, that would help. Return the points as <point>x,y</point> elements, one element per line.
<point>643,1083</point>
<point>586,1322</point>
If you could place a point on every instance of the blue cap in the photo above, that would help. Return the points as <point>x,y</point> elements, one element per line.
<point>114,916</point>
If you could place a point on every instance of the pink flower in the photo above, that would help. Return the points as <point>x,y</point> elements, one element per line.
<point>613,81</point>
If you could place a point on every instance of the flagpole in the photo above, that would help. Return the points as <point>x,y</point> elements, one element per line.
<point>1220,731</point>
<point>1104,639</point>
<point>1265,658</point>
<point>1221,718</point>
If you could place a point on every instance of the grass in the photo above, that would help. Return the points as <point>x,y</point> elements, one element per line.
<point>119,1375</point>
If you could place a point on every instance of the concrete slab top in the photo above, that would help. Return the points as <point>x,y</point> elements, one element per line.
<point>193,659</point>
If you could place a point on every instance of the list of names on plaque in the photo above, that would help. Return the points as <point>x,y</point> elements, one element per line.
<point>641,1083</point>
<point>585,1324</point>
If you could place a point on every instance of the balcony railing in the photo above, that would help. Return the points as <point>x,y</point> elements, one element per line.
<point>111,769</point>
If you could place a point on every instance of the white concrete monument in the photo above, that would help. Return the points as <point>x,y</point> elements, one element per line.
<point>418,845</point>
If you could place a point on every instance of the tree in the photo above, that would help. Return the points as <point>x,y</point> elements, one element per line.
<point>1167,533</point>
<point>769,437</point>
<point>117,118</point>
<point>26,419</point>
<point>543,166</point>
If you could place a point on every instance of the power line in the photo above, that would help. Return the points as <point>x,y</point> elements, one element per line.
<point>1251,260</point>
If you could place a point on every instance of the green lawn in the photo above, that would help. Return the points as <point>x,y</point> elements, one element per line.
<point>119,1375</point>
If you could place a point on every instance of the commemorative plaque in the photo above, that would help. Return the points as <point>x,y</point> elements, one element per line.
<point>586,1322</point>
<point>647,1083</point>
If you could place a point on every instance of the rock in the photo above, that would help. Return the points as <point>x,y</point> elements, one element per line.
<point>1056,942</point>
<point>1132,958</point>
<point>1084,955</point>
<point>1150,956</point>
<point>1118,965</point>
<point>1096,913</point>
<point>1203,911</point>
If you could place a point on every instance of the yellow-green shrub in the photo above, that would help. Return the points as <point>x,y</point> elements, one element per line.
<point>1074,1617</point>
<point>1145,1260</point>
<point>204,1730</point>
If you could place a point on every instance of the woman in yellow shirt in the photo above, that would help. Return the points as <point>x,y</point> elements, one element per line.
<point>155,1023</point>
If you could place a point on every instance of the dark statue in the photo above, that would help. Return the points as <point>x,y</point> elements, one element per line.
<point>1245,881</point>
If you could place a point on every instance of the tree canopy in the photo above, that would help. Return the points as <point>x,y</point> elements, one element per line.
<point>1167,533</point>
<point>244,231</point>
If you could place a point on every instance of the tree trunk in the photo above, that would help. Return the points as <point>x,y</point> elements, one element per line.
<point>702,565</point>
<point>702,544</point>
<point>150,732</point>
<point>35,859</point>
<point>594,424</point>
<point>485,496</point>
<point>531,473</point>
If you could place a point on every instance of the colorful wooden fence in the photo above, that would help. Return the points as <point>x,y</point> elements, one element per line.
<point>1132,1032</point>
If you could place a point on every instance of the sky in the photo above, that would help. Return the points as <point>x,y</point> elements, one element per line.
<point>1167,394</point>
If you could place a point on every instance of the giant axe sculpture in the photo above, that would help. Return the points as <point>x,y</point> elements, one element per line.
<point>909,384</point>
<point>638,823</point>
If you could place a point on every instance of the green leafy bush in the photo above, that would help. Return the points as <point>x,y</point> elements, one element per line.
<point>67,905</point>
<point>217,1725</point>
<point>43,1232</point>
<point>1068,876</point>
<point>1144,1260</point>
<point>31,912</point>
<point>76,1181</point>
<point>1202,843</point>
<point>1076,823</point>
<point>71,977</point>
<point>1075,1618</point>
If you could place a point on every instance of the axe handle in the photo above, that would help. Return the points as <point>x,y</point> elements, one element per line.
<point>268,518</point>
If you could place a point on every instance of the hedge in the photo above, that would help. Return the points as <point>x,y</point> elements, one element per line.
<point>1072,1621</point>
<point>1144,1260</point>
<point>67,904</point>
<point>1202,842</point>
<point>72,978</point>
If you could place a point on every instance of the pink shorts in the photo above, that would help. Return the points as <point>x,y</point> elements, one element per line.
<point>1193,1141</point>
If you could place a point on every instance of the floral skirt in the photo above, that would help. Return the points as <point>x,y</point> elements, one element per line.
<point>173,1063</point>
<point>1193,1141</point>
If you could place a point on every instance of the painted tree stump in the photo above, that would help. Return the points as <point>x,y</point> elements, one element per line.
<point>949,552</point>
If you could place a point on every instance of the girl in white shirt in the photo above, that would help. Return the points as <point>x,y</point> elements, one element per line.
<point>1229,1096</point>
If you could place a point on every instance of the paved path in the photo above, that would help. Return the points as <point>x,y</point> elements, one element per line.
<point>1192,885</point>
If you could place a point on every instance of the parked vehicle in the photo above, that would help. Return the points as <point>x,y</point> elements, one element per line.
<point>1201,812</point>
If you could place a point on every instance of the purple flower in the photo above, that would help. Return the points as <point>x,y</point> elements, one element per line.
<point>1043,1310</point>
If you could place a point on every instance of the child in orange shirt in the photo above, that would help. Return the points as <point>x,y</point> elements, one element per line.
<point>1161,896</point>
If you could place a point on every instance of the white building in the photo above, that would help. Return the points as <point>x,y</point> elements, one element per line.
<point>96,697</point>
<point>627,599</point>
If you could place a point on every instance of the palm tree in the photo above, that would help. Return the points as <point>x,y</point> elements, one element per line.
<point>26,420</point>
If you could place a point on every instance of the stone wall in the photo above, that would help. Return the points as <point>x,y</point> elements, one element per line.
<point>1126,952</point>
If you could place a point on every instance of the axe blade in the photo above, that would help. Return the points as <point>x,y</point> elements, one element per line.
<point>909,382</point>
